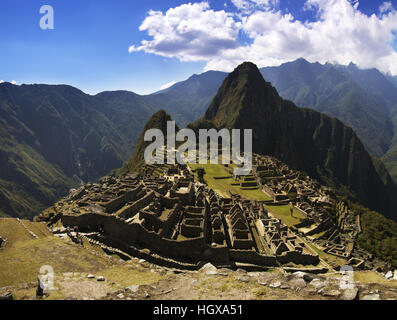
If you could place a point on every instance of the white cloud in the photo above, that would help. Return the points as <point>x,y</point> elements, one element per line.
<point>167,85</point>
<point>385,6</point>
<point>247,6</point>
<point>190,32</point>
<point>12,82</point>
<point>341,34</point>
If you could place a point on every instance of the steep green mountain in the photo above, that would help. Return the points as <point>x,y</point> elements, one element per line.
<point>156,121</point>
<point>360,98</point>
<point>127,111</point>
<point>187,100</point>
<point>392,79</point>
<point>366,100</point>
<point>52,138</point>
<point>373,81</point>
<point>302,138</point>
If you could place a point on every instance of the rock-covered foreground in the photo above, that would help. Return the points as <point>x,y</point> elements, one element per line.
<point>137,279</point>
<point>212,283</point>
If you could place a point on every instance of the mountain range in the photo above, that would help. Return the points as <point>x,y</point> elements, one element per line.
<point>364,99</point>
<point>53,137</point>
<point>305,139</point>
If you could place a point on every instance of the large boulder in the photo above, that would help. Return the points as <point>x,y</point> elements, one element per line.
<point>296,275</point>
<point>309,277</point>
<point>209,269</point>
<point>266,278</point>
<point>297,283</point>
<point>318,283</point>
<point>6,296</point>
<point>327,292</point>
<point>349,294</point>
<point>373,296</point>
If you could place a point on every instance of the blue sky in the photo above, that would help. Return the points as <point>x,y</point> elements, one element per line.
<point>89,47</point>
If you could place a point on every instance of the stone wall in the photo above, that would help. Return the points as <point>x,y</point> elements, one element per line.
<point>298,258</point>
<point>187,198</point>
<point>192,231</point>
<point>135,234</point>
<point>112,225</point>
<point>117,203</point>
<point>170,223</point>
<point>268,190</point>
<point>141,203</point>
<point>149,256</point>
<point>305,223</point>
<point>250,256</point>
<point>321,227</point>
<point>168,202</point>
<point>151,219</point>
<point>218,254</point>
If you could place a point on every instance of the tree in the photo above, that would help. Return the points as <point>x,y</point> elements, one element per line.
<point>200,175</point>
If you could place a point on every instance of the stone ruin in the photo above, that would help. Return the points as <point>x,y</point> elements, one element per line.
<point>164,216</point>
<point>329,224</point>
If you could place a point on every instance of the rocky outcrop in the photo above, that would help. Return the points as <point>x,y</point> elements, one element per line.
<point>157,121</point>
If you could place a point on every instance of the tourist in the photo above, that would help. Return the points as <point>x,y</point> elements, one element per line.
<point>39,290</point>
<point>68,231</point>
<point>76,230</point>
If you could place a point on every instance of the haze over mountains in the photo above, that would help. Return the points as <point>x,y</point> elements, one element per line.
<point>52,137</point>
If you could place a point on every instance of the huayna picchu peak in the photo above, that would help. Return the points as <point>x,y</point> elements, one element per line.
<point>156,121</point>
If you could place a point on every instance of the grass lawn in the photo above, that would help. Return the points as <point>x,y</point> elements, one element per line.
<point>328,258</point>
<point>38,228</point>
<point>318,235</point>
<point>224,185</point>
<point>21,262</point>
<point>13,231</point>
<point>373,277</point>
<point>127,275</point>
<point>284,214</point>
